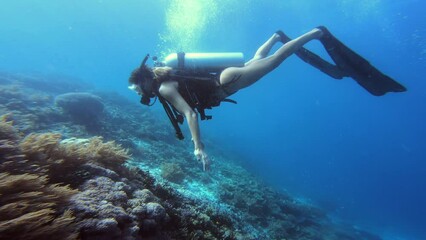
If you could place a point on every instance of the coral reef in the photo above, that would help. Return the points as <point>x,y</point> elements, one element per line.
<point>66,179</point>
<point>103,208</point>
<point>12,160</point>
<point>62,159</point>
<point>172,172</point>
<point>84,108</point>
<point>104,202</point>
<point>30,206</point>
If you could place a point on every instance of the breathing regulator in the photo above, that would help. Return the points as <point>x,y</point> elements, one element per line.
<point>146,80</point>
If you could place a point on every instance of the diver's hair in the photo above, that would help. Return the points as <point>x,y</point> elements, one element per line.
<point>136,76</point>
<point>162,73</point>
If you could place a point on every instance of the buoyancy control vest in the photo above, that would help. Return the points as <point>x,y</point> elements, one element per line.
<point>198,75</point>
<point>200,92</point>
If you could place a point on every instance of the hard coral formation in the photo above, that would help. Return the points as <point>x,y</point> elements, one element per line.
<point>99,205</point>
<point>102,199</point>
<point>85,108</point>
<point>172,172</point>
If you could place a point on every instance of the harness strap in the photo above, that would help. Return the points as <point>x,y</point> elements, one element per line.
<point>195,99</point>
<point>174,117</point>
<point>181,60</point>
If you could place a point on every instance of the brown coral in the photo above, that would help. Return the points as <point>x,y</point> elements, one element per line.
<point>107,154</point>
<point>33,200</point>
<point>55,157</point>
<point>94,150</point>
<point>7,131</point>
<point>41,147</point>
<point>11,158</point>
<point>29,208</point>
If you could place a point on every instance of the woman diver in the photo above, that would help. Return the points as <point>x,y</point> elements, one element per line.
<point>171,85</point>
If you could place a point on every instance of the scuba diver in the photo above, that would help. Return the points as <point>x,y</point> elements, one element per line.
<point>185,89</point>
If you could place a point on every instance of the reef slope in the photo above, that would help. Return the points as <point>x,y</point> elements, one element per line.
<point>77,163</point>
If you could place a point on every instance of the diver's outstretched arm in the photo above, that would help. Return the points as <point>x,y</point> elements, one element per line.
<point>169,90</point>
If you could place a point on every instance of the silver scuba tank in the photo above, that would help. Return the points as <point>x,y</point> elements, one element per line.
<point>210,62</point>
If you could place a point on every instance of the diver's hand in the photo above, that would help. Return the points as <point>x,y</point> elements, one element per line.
<point>203,157</point>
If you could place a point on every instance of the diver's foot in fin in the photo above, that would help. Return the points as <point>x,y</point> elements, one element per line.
<point>318,33</point>
<point>284,38</point>
<point>357,67</point>
<point>313,59</point>
<point>325,32</point>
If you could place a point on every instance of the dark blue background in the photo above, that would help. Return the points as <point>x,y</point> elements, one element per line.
<point>360,156</point>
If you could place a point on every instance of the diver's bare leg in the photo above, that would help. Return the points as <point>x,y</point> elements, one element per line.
<point>264,50</point>
<point>245,76</point>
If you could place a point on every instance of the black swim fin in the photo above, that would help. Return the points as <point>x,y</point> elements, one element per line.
<point>358,68</point>
<point>315,60</point>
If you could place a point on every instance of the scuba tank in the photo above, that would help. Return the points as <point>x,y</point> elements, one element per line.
<point>206,62</point>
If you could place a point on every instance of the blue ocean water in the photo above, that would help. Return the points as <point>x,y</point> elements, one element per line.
<point>328,141</point>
